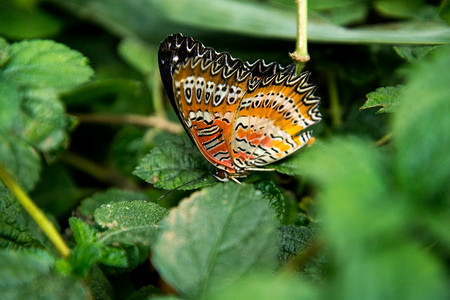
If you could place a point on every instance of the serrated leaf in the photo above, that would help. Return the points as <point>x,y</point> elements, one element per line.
<point>29,275</point>
<point>45,124</point>
<point>175,163</point>
<point>82,233</point>
<point>14,231</point>
<point>46,64</point>
<point>88,251</point>
<point>273,195</point>
<point>294,239</point>
<point>130,222</point>
<point>89,205</point>
<point>20,161</point>
<point>387,98</point>
<point>413,53</point>
<point>214,237</point>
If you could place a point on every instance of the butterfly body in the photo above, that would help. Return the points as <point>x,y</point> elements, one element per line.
<point>241,116</point>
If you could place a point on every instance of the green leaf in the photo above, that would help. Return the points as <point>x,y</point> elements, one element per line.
<point>5,52</point>
<point>155,19</point>
<point>129,146</point>
<point>129,222</point>
<point>299,245</point>
<point>56,184</point>
<point>45,124</point>
<point>14,224</point>
<point>215,237</point>
<point>15,21</point>
<point>46,64</point>
<point>367,227</point>
<point>89,205</point>
<point>29,275</point>
<point>139,56</point>
<point>9,106</point>
<point>273,195</point>
<point>421,131</point>
<point>99,286</point>
<point>294,239</point>
<point>399,8</point>
<point>289,165</point>
<point>101,88</point>
<point>82,233</point>
<point>269,287</point>
<point>413,53</point>
<point>20,161</point>
<point>387,98</point>
<point>148,292</point>
<point>175,163</point>
<point>89,251</point>
<point>340,12</point>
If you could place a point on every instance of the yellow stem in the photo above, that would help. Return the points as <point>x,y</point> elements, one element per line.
<point>34,211</point>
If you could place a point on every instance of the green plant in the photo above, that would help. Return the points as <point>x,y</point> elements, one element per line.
<point>362,214</point>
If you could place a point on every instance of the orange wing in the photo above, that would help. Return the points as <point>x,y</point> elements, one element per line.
<point>240,115</point>
<point>271,118</point>
<point>207,95</point>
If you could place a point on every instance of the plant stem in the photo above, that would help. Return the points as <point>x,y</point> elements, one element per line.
<point>97,171</point>
<point>34,211</point>
<point>157,95</point>
<point>301,51</point>
<point>384,140</point>
<point>148,121</point>
<point>335,108</point>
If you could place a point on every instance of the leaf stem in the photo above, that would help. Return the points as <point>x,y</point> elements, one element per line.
<point>34,211</point>
<point>301,51</point>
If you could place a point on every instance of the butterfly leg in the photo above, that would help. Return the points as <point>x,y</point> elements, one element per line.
<point>235,180</point>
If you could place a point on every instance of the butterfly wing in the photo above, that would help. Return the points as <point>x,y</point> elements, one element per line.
<point>271,118</point>
<point>221,100</point>
<point>205,88</point>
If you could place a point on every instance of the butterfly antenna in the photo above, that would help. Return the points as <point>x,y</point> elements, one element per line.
<point>178,187</point>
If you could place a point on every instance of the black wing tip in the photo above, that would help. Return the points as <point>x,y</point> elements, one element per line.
<point>184,47</point>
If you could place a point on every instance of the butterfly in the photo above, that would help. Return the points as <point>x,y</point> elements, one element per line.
<point>240,115</point>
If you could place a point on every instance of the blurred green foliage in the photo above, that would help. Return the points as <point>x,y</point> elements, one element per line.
<point>85,128</point>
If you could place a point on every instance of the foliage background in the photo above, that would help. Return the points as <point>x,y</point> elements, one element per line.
<point>363,214</point>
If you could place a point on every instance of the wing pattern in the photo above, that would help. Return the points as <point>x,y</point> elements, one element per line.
<point>240,115</point>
